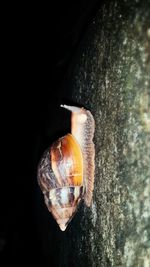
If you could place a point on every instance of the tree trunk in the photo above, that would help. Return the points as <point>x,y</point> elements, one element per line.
<point>110,76</point>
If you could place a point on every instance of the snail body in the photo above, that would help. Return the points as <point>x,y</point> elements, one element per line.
<point>66,169</point>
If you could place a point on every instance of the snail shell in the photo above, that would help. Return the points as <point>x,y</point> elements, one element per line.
<point>66,170</point>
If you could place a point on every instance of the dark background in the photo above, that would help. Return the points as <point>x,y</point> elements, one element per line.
<point>39,43</point>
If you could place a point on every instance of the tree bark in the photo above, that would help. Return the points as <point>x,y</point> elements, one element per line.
<point>110,76</point>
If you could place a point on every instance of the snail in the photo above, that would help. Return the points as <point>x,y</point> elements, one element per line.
<point>66,169</point>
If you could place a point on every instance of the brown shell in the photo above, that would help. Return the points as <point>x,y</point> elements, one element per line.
<point>67,161</point>
<point>60,176</point>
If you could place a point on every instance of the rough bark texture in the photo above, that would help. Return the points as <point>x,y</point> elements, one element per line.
<point>111,76</point>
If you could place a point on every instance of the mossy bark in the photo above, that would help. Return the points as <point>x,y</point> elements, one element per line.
<point>110,75</point>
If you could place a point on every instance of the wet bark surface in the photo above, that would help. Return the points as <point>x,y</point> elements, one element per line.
<point>110,76</point>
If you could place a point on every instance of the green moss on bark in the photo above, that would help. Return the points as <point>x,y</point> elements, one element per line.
<point>111,77</point>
